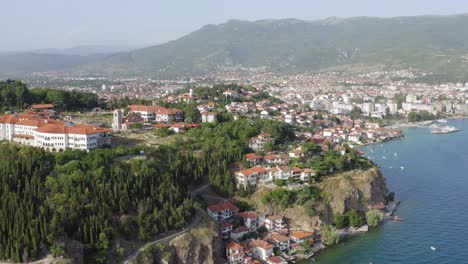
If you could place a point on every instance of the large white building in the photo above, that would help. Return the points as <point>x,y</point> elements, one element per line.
<point>156,113</point>
<point>50,134</point>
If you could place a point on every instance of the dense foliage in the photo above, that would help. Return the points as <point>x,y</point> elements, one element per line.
<point>218,147</point>
<point>15,95</point>
<point>421,116</point>
<point>374,217</point>
<point>78,194</point>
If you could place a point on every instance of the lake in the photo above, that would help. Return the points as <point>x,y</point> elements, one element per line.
<point>433,190</point>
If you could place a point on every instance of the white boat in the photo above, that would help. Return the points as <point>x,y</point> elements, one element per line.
<point>433,248</point>
<point>436,129</point>
<point>395,154</point>
<point>442,121</point>
<point>402,168</point>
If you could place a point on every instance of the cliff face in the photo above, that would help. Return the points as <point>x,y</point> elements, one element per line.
<point>353,190</point>
<point>200,245</point>
<point>341,192</point>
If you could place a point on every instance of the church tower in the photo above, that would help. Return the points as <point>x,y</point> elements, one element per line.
<point>117,120</point>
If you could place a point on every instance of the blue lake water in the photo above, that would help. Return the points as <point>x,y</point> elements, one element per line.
<point>433,190</point>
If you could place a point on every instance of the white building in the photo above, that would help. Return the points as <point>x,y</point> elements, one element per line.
<point>208,117</point>
<point>29,129</point>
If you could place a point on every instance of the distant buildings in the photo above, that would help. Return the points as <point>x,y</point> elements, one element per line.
<point>257,143</point>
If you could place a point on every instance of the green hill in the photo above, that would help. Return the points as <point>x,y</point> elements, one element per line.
<point>433,43</point>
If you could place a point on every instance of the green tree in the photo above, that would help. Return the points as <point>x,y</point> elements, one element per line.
<point>374,217</point>
<point>354,219</point>
<point>339,221</point>
<point>330,235</point>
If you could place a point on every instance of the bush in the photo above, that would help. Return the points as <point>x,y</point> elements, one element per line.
<point>279,182</point>
<point>339,220</point>
<point>330,235</point>
<point>354,219</point>
<point>374,217</point>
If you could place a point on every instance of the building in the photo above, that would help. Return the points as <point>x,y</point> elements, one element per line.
<point>275,222</point>
<point>301,237</point>
<point>208,117</point>
<point>225,229</point>
<point>222,211</point>
<point>235,253</point>
<point>283,243</point>
<point>252,220</point>
<point>50,134</point>
<point>156,113</point>
<point>250,176</point>
<point>257,143</point>
<point>239,232</point>
<point>261,249</point>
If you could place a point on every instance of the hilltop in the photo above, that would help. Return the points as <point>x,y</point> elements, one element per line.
<point>432,43</point>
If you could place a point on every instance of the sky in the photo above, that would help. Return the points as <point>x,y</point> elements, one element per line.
<point>37,24</point>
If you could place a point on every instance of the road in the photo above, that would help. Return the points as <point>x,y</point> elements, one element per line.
<point>167,238</point>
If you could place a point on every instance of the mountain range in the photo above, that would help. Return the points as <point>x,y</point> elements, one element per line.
<point>432,43</point>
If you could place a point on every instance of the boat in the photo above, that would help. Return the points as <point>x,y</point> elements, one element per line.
<point>396,218</point>
<point>436,129</point>
<point>395,154</point>
<point>433,248</point>
<point>402,168</point>
<point>442,121</point>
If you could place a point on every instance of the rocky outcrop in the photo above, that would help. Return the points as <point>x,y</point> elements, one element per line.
<point>200,245</point>
<point>353,190</point>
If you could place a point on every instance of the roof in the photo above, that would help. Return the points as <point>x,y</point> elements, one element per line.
<point>253,156</point>
<point>234,245</point>
<point>275,259</point>
<point>42,106</point>
<point>155,109</point>
<point>227,205</point>
<point>301,234</point>
<point>254,170</point>
<point>279,238</point>
<point>82,129</point>
<point>225,224</point>
<point>249,214</point>
<point>240,229</point>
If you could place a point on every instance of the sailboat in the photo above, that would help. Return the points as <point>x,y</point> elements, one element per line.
<point>402,168</point>
<point>433,248</point>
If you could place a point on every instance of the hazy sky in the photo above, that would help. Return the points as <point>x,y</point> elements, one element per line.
<point>33,24</point>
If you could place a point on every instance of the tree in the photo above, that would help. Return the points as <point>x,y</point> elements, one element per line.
<point>354,219</point>
<point>330,235</point>
<point>339,220</point>
<point>268,147</point>
<point>356,113</point>
<point>374,217</point>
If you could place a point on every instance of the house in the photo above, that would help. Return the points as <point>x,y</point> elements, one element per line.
<point>250,176</point>
<point>208,117</point>
<point>239,232</point>
<point>297,153</point>
<point>253,159</point>
<point>225,229</point>
<point>156,113</point>
<point>280,173</point>
<point>276,260</point>
<point>301,236</point>
<point>276,158</point>
<point>261,249</point>
<point>235,253</point>
<point>257,143</point>
<point>252,220</point>
<point>222,211</point>
<point>42,107</point>
<point>279,241</point>
<point>275,222</point>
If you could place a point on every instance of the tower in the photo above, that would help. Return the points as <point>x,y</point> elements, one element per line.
<point>117,120</point>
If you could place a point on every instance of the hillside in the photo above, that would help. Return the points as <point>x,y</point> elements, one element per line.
<point>341,192</point>
<point>435,43</point>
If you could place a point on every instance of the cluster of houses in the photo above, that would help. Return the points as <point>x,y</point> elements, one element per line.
<point>277,246</point>
<point>358,132</point>
<point>38,127</point>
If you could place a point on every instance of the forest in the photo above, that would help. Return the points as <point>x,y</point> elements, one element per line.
<point>48,198</point>
<point>14,95</point>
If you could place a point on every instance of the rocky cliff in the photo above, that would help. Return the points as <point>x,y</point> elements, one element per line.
<point>353,190</point>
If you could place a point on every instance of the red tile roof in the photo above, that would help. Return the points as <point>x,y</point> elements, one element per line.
<point>227,205</point>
